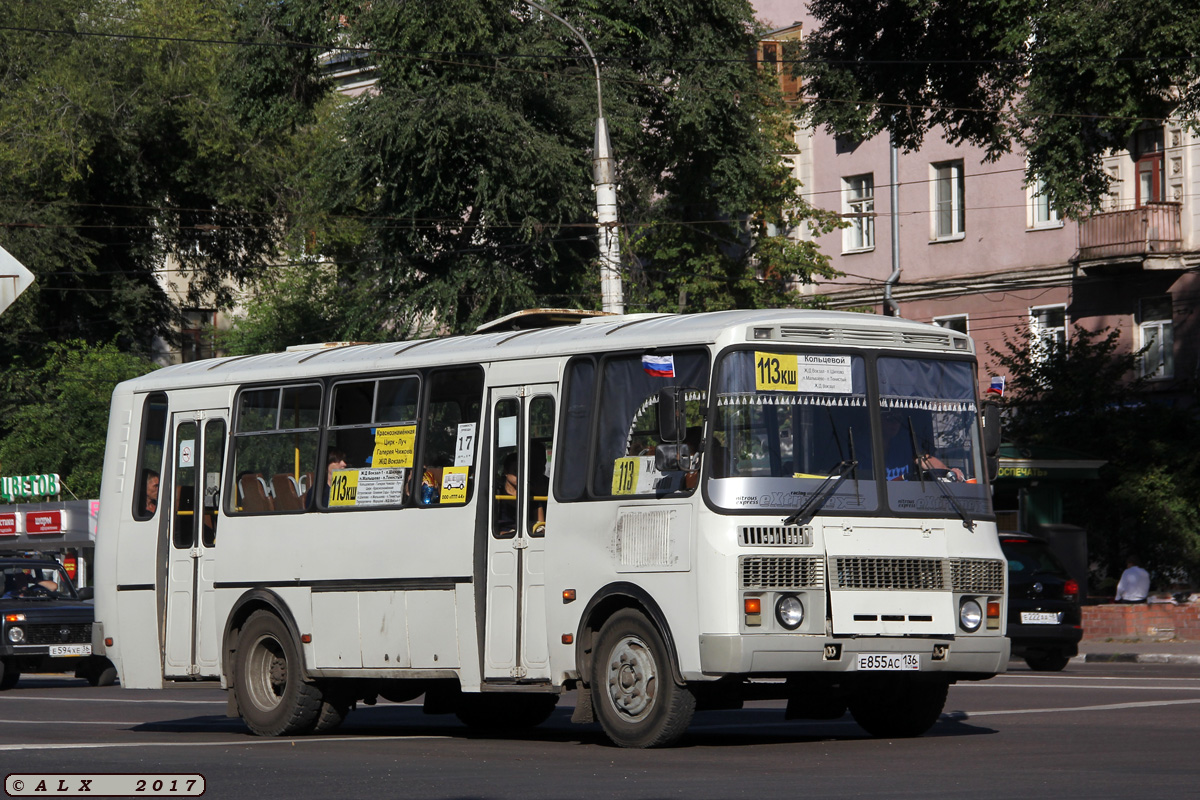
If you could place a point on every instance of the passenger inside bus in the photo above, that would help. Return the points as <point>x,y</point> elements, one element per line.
<point>151,492</point>
<point>334,461</point>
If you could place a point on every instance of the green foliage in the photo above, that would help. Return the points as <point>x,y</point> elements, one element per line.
<point>471,161</point>
<point>56,416</point>
<point>1064,82</point>
<point>1082,397</point>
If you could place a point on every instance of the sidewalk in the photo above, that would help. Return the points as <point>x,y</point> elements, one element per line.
<point>1139,651</point>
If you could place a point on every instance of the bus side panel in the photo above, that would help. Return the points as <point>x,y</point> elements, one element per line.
<point>584,552</point>
<point>125,556</point>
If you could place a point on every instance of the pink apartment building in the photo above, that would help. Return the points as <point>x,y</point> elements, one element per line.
<point>980,251</point>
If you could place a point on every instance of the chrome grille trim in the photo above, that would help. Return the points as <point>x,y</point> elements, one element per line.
<point>893,573</point>
<point>782,572</point>
<point>977,575</point>
<point>775,536</point>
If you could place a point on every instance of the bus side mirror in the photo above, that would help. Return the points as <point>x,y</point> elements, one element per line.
<point>991,436</point>
<point>672,426</point>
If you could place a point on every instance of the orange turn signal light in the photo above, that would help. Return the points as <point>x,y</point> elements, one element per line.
<point>568,638</point>
<point>568,595</point>
<point>993,608</point>
<point>306,638</point>
<point>753,605</point>
<point>108,641</point>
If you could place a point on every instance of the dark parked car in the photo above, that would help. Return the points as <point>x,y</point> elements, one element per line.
<point>47,626</point>
<point>1044,617</point>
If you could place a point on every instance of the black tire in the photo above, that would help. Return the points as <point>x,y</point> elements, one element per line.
<point>1047,662</point>
<point>634,693</point>
<point>9,675</point>
<point>895,708</point>
<point>504,712</point>
<point>102,675</point>
<point>272,694</point>
<point>332,714</point>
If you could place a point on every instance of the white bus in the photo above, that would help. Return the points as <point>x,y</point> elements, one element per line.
<point>663,512</point>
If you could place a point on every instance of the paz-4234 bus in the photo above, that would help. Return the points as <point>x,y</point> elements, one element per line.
<point>660,513</point>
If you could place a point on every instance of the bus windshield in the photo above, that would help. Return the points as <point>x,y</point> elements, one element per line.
<point>787,421</point>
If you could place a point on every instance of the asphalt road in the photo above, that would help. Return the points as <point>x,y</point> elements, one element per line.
<point>1095,730</point>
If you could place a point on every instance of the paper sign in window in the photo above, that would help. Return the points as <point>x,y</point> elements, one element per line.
<point>394,447</point>
<point>791,372</point>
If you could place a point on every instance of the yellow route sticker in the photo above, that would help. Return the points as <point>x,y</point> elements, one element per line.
<point>775,372</point>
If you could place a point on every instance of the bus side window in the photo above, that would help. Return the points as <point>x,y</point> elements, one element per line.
<point>150,456</point>
<point>276,434</point>
<point>453,405</point>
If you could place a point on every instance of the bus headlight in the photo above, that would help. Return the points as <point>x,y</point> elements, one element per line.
<point>16,635</point>
<point>789,611</point>
<point>970,615</point>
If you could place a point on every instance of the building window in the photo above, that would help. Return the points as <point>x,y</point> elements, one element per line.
<point>197,334</point>
<point>1041,213</point>
<point>1157,337</point>
<point>858,208</point>
<point>949,214</point>
<point>1049,327</point>
<point>957,322</point>
<point>1148,161</point>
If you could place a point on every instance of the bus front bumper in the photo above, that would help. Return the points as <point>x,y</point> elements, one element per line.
<point>782,654</point>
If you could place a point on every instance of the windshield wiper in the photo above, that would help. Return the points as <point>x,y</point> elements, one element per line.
<point>966,518</point>
<point>817,499</point>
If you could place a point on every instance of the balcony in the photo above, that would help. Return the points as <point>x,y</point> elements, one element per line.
<point>1147,236</point>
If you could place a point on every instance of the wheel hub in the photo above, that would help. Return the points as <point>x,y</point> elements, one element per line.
<point>632,678</point>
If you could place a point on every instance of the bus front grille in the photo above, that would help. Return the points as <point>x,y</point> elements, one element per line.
<point>782,572</point>
<point>901,574</point>
<point>977,575</point>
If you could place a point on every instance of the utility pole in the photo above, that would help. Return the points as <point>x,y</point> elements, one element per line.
<point>604,177</point>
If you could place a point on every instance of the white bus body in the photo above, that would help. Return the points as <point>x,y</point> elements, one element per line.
<point>651,586</point>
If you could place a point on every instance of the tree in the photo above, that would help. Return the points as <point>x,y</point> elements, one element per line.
<point>1083,396</point>
<point>123,154</point>
<point>58,413</point>
<point>1065,82</point>
<point>470,161</point>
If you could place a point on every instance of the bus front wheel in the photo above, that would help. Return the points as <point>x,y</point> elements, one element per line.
<point>897,708</point>
<point>636,698</point>
<point>272,694</point>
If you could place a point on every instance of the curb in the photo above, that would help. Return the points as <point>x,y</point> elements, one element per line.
<point>1137,658</point>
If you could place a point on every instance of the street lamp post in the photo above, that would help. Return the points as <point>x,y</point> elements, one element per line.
<point>604,178</point>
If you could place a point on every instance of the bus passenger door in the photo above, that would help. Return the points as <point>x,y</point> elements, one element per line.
<point>192,631</point>
<point>522,433</point>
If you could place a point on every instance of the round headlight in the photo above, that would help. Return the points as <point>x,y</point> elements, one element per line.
<point>789,611</point>
<point>970,615</point>
<point>16,635</point>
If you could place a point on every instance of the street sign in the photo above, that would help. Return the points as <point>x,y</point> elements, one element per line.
<point>14,279</point>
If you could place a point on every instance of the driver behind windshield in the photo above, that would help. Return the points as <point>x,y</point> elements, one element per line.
<point>906,450</point>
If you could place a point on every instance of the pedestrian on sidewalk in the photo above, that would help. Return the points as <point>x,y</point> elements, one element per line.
<point>1134,585</point>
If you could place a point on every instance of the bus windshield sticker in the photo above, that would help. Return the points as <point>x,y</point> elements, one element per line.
<point>394,446</point>
<point>454,485</point>
<point>783,372</point>
<point>464,445</point>
<point>343,488</point>
<point>635,475</point>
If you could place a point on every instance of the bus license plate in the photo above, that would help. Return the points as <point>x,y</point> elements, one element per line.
<point>889,661</point>
<point>1041,617</point>
<point>70,649</point>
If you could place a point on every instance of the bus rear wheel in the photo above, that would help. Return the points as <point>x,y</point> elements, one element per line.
<point>895,708</point>
<point>636,698</point>
<point>273,697</point>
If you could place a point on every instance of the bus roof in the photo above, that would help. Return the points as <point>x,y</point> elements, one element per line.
<point>591,335</point>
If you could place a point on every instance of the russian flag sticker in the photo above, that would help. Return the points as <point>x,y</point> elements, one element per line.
<point>659,366</point>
